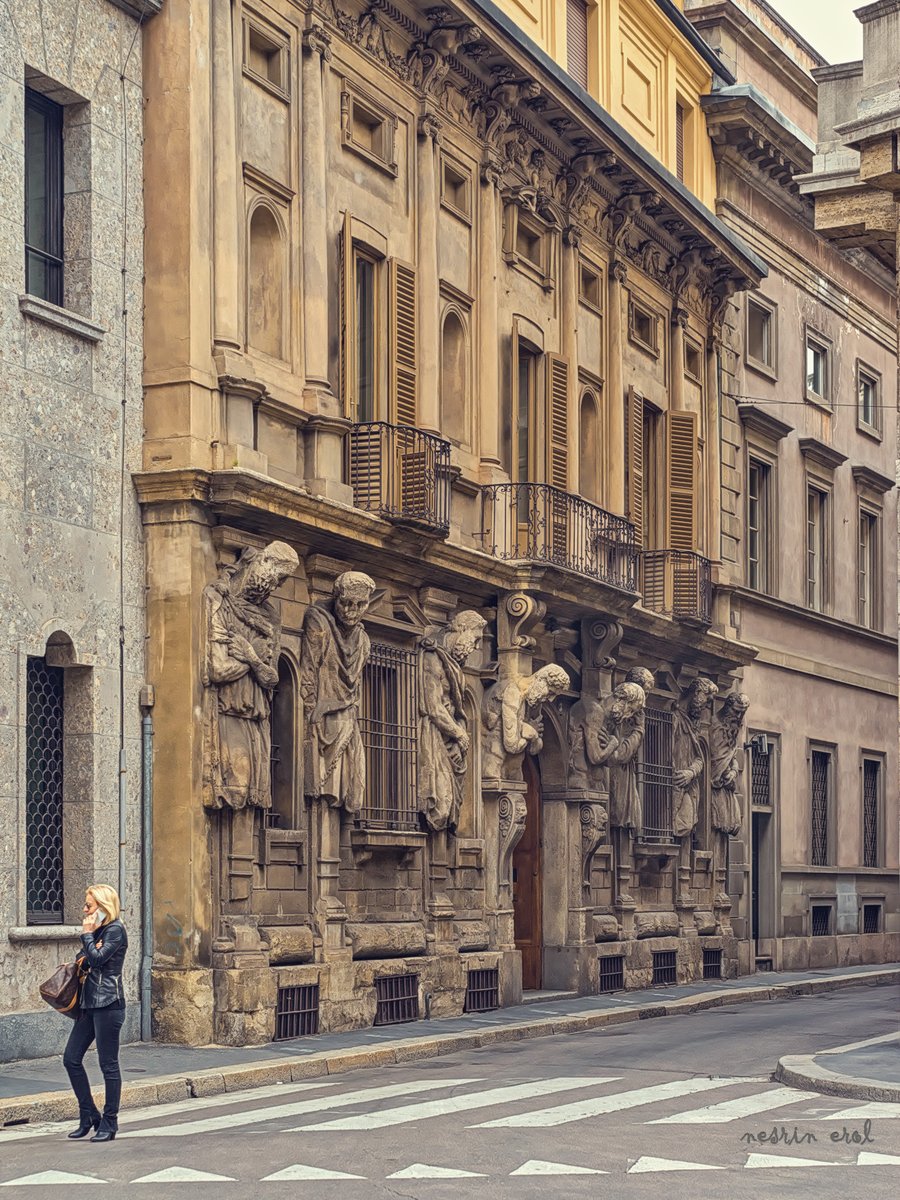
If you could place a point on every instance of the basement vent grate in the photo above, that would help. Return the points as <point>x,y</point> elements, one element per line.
<point>397,999</point>
<point>712,964</point>
<point>483,990</point>
<point>664,967</point>
<point>612,972</point>
<point>297,1012</point>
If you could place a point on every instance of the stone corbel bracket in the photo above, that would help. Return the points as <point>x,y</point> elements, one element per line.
<point>594,821</point>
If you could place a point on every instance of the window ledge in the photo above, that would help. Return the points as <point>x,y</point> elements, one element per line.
<point>44,933</point>
<point>61,318</point>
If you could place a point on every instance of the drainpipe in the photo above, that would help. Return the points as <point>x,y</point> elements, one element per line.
<point>146,859</point>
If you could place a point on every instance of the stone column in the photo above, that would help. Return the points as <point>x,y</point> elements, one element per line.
<point>226,239</point>
<point>676,354</point>
<point>428,335</point>
<point>569,345</point>
<point>487,398</point>
<point>614,486</point>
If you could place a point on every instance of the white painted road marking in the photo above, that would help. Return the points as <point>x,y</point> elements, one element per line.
<point>44,1177</point>
<point>423,1171</point>
<point>785,1160</point>
<point>183,1175</point>
<point>733,1110</point>
<point>875,1110</point>
<point>454,1104</point>
<point>545,1118</point>
<point>868,1158</point>
<point>231,1121</point>
<point>536,1166</point>
<point>668,1164</point>
<point>298,1171</point>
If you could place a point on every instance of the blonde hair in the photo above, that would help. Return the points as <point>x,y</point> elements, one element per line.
<point>108,899</point>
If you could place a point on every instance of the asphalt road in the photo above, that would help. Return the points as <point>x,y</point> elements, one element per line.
<point>675,1107</point>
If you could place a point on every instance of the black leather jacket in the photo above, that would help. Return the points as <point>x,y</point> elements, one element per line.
<point>103,984</point>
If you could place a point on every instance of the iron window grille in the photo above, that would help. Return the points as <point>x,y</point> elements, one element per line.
<point>871,804</point>
<point>821,920</point>
<point>664,967</point>
<point>761,779</point>
<point>483,990</point>
<point>388,726</point>
<point>677,583</point>
<point>712,964</point>
<point>655,777</point>
<point>820,786</point>
<point>43,197</point>
<point>44,728</point>
<point>400,473</point>
<point>297,1012</point>
<point>871,921</point>
<point>396,999</point>
<point>612,972</point>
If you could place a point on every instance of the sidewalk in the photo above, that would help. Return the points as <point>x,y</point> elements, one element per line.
<point>863,1070</point>
<point>37,1090</point>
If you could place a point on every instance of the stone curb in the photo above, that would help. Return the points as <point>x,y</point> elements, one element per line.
<point>802,1070</point>
<point>164,1089</point>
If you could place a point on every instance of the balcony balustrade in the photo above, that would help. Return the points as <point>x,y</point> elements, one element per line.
<point>541,523</point>
<point>677,583</point>
<point>401,474</point>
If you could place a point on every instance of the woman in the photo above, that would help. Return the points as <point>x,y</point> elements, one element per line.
<point>101,1012</point>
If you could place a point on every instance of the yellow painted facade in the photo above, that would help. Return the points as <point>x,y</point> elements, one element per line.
<point>641,69</point>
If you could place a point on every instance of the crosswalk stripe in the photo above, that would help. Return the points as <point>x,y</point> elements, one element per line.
<point>648,1163</point>
<point>733,1110</point>
<point>785,1160</point>
<point>298,1171</point>
<point>453,1104</point>
<point>319,1104</point>
<point>562,1114</point>
<point>868,1158</point>
<point>45,1177</point>
<point>423,1171</point>
<point>183,1175</point>
<point>537,1166</point>
<point>874,1110</point>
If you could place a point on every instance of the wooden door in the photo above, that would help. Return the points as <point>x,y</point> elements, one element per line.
<point>527,883</point>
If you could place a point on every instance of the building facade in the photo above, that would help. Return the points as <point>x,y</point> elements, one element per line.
<point>449,701</point>
<point>71,544</point>
<point>809,413</point>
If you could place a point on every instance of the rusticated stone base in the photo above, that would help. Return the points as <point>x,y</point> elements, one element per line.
<point>638,958</point>
<point>183,1006</point>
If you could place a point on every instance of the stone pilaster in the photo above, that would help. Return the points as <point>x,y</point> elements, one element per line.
<point>488,333</point>
<point>226,250</point>
<point>614,492</point>
<point>429,417</point>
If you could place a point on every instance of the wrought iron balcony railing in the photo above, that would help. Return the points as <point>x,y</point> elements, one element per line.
<point>542,523</point>
<point>677,583</point>
<point>400,473</point>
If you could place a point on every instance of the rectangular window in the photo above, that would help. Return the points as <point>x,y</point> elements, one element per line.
<point>679,141</point>
<point>526,384</point>
<point>871,918</point>
<point>589,283</point>
<point>655,776</point>
<point>820,798</point>
<point>821,920</point>
<point>693,362</point>
<point>577,41</point>
<point>643,327</point>
<point>760,335</point>
<point>759,478</point>
<point>388,722</point>
<point>456,189</point>
<point>816,548</point>
<point>868,569</point>
<point>365,270</point>
<point>868,400</point>
<point>761,779</point>
<point>43,198</point>
<point>369,130</point>
<point>650,477</point>
<point>266,57</point>
<point>44,705</point>
<point>529,244</point>
<point>871,811</point>
<point>818,371</point>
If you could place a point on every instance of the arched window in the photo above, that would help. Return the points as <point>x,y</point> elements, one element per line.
<point>265,284</point>
<point>454,379</point>
<point>589,448</point>
<point>284,749</point>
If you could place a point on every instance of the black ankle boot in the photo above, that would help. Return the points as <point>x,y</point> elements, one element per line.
<point>106,1132</point>
<point>85,1127</point>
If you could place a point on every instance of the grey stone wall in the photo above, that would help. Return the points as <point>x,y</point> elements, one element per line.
<point>71,551</point>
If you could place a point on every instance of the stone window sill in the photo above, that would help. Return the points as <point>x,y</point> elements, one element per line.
<point>60,318</point>
<point>44,933</point>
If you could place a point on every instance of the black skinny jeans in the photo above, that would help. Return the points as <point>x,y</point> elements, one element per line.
<point>104,1024</point>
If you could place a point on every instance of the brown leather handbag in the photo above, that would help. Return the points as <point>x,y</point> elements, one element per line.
<point>63,989</point>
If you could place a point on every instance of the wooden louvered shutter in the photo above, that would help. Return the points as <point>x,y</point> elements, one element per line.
<point>558,421</point>
<point>345,349</point>
<point>403,369</point>
<point>634,460</point>
<point>679,141</point>
<point>681,462</point>
<point>577,41</point>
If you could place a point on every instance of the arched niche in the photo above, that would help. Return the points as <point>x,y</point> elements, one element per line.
<point>455,378</point>
<point>589,446</point>
<point>284,745</point>
<point>266,280</point>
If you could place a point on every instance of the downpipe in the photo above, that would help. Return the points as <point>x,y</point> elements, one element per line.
<point>146,870</point>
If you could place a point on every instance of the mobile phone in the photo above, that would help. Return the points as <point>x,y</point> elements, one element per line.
<point>100,916</point>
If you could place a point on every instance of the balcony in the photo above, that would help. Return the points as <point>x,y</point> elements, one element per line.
<point>400,473</point>
<point>677,583</point>
<point>541,523</point>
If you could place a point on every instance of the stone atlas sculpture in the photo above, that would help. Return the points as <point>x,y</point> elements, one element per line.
<point>725,762</point>
<point>512,721</point>
<point>687,721</point>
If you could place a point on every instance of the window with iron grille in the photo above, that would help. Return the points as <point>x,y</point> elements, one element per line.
<point>297,1012</point>
<point>655,777</point>
<point>761,779</point>
<point>483,990</point>
<point>388,728</point>
<point>871,806</point>
<point>871,922</point>
<point>664,967</point>
<point>820,795</point>
<point>44,792</point>
<point>821,920</point>
<point>43,197</point>
<point>396,999</point>
<point>712,964</point>
<point>612,972</point>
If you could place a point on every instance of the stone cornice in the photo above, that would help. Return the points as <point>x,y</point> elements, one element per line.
<point>868,478</point>
<point>821,453</point>
<point>762,422</point>
<point>141,9</point>
<point>743,118</point>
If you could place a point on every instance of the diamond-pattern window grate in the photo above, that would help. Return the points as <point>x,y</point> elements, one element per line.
<point>712,964</point>
<point>761,779</point>
<point>871,789</point>
<point>820,772</point>
<point>483,990</point>
<point>821,920</point>
<point>612,973</point>
<point>664,967</point>
<point>397,999</point>
<point>871,918</point>
<point>297,1011</point>
<point>44,792</point>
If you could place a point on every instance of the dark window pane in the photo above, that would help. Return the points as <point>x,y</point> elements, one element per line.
<point>43,198</point>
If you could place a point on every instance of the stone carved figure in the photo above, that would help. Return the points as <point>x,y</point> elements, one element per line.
<point>335,650</point>
<point>512,721</point>
<point>243,640</point>
<point>688,753</point>
<point>443,736</point>
<point>597,729</point>
<point>624,716</point>
<point>726,762</point>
